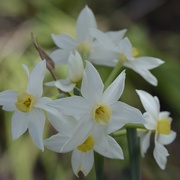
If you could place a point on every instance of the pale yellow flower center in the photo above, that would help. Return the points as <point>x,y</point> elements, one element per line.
<point>84,49</point>
<point>87,145</point>
<point>135,52</point>
<point>101,113</point>
<point>164,126</point>
<point>25,102</point>
<point>123,58</point>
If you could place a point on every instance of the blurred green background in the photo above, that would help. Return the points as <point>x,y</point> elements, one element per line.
<point>154,29</point>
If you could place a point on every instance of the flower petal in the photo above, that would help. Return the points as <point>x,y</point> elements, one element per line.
<point>108,147</point>
<point>64,41</point>
<point>85,21</point>
<point>36,78</point>
<point>150,103</point>
<point>56,142</point>
<point>60,56</point>
<point>160,154</point>
<point>166,139</point>
<point>123,114</point>
<point>148,62</point>
<point>65,85</point>
<point>19,124</point>
<point>36,127</point>
<point>116,36</point>
<point>145,142</point>
<point>115,90</point>
<point>92,85</point>
<point>151,122</point>
<point>82,161</point>
<point>103,39</point>
<point>143,71</point>
<point>74,105</point>
<point>8,99</point>
<point>79,135</point>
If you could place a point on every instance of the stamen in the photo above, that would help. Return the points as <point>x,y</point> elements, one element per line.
<point>25,102</point>
<point>101,113</point>
<point>135,52</point>
<point>87,145</point>
<point>164,126</point>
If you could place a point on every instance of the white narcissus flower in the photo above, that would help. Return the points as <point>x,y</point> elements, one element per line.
<point>83,42</point>
<point>100,113</point>
<point>28,106</point>
<point>75,73</point>
<point>158,122</point>
<point>124,52</point>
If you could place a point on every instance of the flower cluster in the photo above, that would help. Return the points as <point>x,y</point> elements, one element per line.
<point>86,120</point>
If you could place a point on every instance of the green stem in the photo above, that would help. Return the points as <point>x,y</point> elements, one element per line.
<point>113,74</point>
<point>134,154</point>
<point>99,164</point>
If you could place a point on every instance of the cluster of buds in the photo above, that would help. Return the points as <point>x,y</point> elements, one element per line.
<point>90,111</point>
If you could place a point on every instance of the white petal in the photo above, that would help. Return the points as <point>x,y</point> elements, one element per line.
<point>51,83</point>
<point>56,142</point>
<point>65,85</point>
<point>125,48</point>
<point>60,56</point>
<point>79,135</point>
<point>148,62</point>
<point>64,41</point>
<point>19,124</point>
<point>123,114</point>
<point>75,67</point>
<point>35,86</point>
<point>144,72</point>
<point>164,114</point>
<point>62,123</point>
<point>92,85</point>
<point>85,21</point>
<point>150,103</point>
<point>166,139</point>
<point>115,89</point>
<point>105,57</point>
<point>108,147</point>
<point>36,127</point>
<point>26,69</point>
<point>8,99</point>
<point>103,39</point>
<point>145,142</point>
<point>116,36</point>
<point>151,123</point>
<point>82,161</point>
<point>75,105</point>
<point>160,154</point>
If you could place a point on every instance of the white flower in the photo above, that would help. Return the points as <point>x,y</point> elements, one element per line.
<point>83,42</point>
<point>158,122</point>
<point>28,106</point>
<point>75,73</point>
<point>100,107</point>
<point>83,145</point>
<point>124,52</point>
<point>100,113</point>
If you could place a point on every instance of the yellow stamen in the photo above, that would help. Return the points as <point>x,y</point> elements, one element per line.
<point>164,126</point>
<point>87,145</point>
<point>84,50</point>
<point>135,52</point>
<point>25,102</point>
<point>122,57</point>
<point>101,113</point>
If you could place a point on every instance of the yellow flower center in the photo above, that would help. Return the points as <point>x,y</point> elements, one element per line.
<point>84,50</point>
<point>135,52</point>
<point>25,102</point>
<point>123,58</point>
<point>101,113</point>
<point>164,126</point>
<point>87,145</point>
